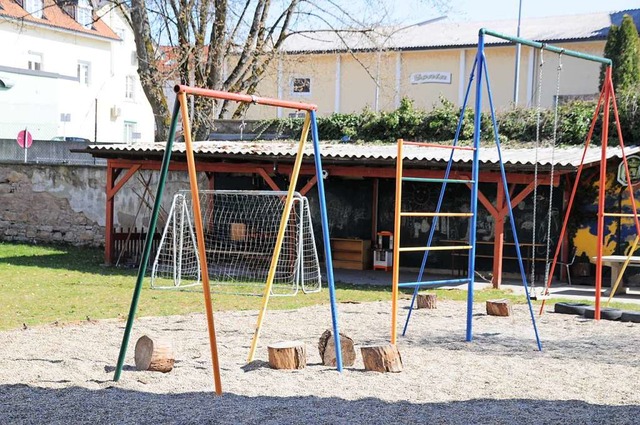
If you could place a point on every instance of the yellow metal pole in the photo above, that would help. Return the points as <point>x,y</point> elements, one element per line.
<point>624,267</point>
<point>396,246</point>
<point>283,225</point>
<point>197,218</point>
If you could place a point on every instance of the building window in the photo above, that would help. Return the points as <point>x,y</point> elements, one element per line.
<point>84,13</point>
<point>34,7</point>
<point>130,132</point>
<point>129,90</point>
<point>84,73</point>
<point>134,58</point>
<point>301,86</point>
<point>34,61</point>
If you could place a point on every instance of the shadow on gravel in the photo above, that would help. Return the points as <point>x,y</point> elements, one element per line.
<point>22,404</point>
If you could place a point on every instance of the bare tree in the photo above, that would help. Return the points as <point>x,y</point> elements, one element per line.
<point>229,45</point>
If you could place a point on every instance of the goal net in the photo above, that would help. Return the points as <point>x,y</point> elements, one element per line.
<point>240,230</point>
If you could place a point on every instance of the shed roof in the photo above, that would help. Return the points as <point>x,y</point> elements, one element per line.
<point>518,159</point>
<point>592,26</point>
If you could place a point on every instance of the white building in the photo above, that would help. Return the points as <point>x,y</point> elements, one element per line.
<point>65,72</point>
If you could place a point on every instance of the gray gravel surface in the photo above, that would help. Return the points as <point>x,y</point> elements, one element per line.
<point>588,372</point>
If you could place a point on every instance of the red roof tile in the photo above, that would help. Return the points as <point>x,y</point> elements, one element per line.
<point>54,16</point>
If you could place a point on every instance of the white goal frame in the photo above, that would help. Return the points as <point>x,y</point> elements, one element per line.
<point>228,252</point>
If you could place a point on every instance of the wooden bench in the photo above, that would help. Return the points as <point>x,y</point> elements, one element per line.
<point>616,262</point>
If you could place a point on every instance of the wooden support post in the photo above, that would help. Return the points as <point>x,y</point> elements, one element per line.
<point>108,225</point>
<point>381,358</point>
<point>288,355</point>
<point>498,241</point>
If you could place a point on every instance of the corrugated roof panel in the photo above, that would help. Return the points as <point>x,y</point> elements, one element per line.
<point>452,34</point>
<point>564,156</point>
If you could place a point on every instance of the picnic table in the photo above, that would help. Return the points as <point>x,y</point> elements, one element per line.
<point>616,262</point>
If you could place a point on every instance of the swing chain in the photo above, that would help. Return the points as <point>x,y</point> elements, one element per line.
<point>535,169</point>
<point>552,171</point>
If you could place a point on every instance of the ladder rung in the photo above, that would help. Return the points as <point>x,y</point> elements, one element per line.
<point>435,145</point>
<point>621,215</point>
<point>432,248</point>
<point>433,283</point>
<point>435,180</point>
<point>433,214</point>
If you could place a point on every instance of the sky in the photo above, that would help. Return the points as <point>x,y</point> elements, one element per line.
<point>483,10</point>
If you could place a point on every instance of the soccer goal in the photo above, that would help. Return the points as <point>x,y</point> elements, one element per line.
<point>240,232</point>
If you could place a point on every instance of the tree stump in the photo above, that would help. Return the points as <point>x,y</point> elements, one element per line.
<point>426,301</point>
<point>288,355</point>
<point>155,355</point>
<point>381,358</point>
<point>327,348</point>
<point>499,308</point>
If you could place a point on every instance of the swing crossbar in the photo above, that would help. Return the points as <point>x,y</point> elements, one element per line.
<point>435,145</point>
<point>434,283</point>
<point>244,98</point>
<point>435,214</point>
<point>436,180</point>
<point>545,46</point>
<point>432,248</point>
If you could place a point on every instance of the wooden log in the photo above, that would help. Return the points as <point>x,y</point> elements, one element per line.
<point>154,354</point>
<point>381,358</point>
<point>426,301</point>
<point>288,355</point>
<point>327,348</point>
<point>500,307</point>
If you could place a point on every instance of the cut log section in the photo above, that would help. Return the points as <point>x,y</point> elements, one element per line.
<point>327,348</point>
<point>288,355</point>
<point>499,308</point>
<point>381,358</point>
<point>427,301</point>
<point>154,354</point>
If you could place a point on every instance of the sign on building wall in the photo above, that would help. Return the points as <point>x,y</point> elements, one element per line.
<point>430,77</point>
<point>634,170</point>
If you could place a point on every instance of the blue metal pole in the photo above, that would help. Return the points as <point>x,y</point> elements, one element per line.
<point>447,172</point>
<point>508,200</point>
<point>474,185</point>
<point>325,236</point>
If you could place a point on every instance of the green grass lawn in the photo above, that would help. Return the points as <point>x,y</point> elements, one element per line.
<point>45,284</point>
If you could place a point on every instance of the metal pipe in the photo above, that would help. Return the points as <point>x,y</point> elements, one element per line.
<point>516,82</point>
<point>246,98</point>
<point>549,47</point>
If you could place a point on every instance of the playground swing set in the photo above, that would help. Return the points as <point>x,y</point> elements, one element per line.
<point>479,72</point>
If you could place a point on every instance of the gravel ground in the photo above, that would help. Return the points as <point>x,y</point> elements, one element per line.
<point>589,372</point>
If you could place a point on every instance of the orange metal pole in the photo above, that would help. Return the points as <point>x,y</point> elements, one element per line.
<point>246,98</point>
<point>601,191</point>
<point>197,218</point>
<point>396,247</point>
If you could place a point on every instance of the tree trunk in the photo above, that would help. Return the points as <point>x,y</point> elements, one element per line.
<point>155,355</point>
<point>327,348</point>
<point>288,355</point>
<point>381,358</point>
<point>499,307</point>
<point>426,301</point>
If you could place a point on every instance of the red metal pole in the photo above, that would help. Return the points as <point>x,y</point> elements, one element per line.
<point>246,98</point>
<point>601,192</point>
<point>573,195</point>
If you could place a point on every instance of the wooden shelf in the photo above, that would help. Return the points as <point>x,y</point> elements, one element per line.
<point>352,254</point>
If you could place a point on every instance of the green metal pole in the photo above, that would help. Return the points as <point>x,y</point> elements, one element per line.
<point>142,269</point>
<point>549,47</point>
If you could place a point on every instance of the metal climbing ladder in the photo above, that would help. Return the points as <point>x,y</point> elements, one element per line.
<point>480,69</point>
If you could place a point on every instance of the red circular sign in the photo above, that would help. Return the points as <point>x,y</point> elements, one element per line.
<point>23,136</point>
